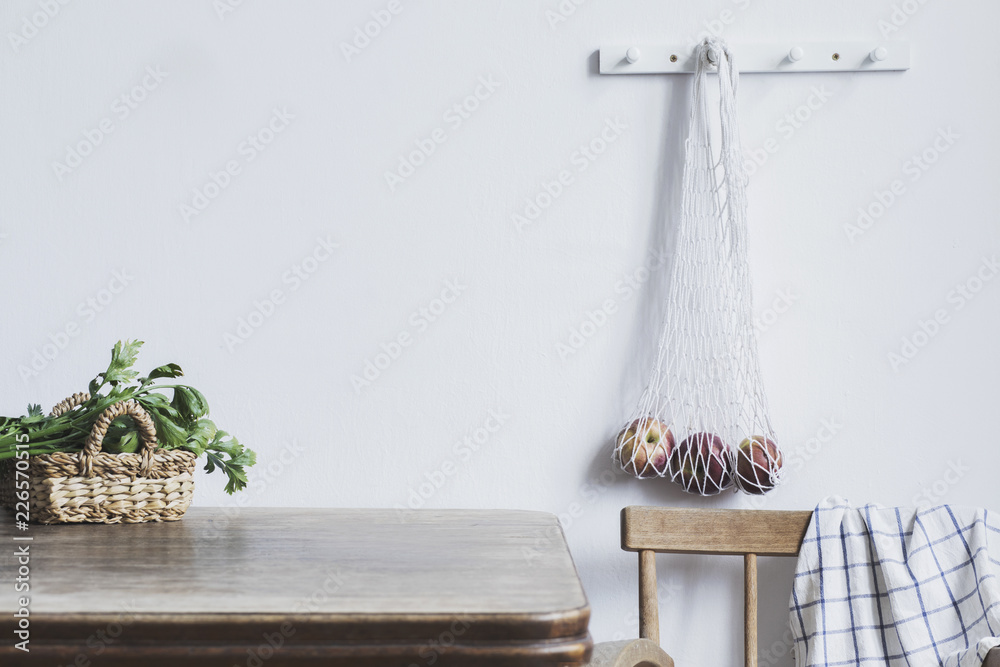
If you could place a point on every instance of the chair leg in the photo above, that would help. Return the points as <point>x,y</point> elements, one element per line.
<point>630,653</point>
<point>649,613</point>
<point>750,610</point>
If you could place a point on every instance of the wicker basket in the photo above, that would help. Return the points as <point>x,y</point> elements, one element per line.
<point>99,487</point>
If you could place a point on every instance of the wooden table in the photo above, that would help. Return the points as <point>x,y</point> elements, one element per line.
<point>358,588</point>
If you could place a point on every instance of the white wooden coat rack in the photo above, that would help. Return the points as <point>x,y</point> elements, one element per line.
<point>803,57</point>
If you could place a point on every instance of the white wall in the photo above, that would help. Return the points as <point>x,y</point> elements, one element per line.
<point>897,431</point>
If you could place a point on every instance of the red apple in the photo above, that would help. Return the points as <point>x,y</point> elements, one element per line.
<point>701,464</point>
<point>644,447</point>
<point>758,462</point>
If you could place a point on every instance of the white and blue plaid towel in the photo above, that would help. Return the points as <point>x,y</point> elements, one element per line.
<point>891,586</point>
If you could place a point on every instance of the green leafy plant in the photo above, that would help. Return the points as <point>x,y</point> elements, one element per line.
<point>181,419</point>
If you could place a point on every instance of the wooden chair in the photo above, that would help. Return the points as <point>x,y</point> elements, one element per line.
<point>747,533</point>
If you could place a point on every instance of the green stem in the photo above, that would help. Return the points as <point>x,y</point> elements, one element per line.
<point>61,427</point>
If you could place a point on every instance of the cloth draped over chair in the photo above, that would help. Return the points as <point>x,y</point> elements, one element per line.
<point>895,586</point>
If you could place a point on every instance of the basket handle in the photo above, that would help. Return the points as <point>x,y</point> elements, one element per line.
<point>144,426</point>
<point>68,404</point>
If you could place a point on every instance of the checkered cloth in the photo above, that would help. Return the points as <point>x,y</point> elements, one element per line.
<point>892,586</point>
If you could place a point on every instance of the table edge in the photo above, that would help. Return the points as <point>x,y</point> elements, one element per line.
<point>400,626</point>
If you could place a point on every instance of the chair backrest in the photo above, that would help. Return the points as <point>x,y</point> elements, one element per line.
<point>749,533</point>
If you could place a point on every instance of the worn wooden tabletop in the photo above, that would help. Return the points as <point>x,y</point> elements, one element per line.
<point>304,586</point>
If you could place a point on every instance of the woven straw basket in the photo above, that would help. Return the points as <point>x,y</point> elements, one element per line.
<point>100,487</point>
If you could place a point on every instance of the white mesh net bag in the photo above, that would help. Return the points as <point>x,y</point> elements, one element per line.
<point>702,420</point>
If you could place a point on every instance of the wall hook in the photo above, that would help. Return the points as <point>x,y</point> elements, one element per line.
<point>795,54</point>
<point>633,54</point>
<point>879,54</point>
